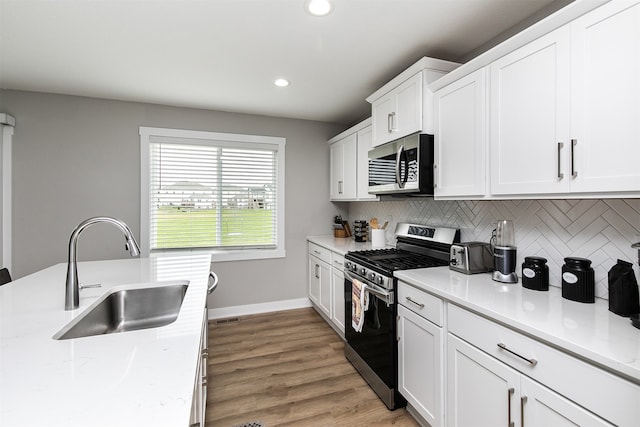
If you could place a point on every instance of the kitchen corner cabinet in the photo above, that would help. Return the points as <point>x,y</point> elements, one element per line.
<point>349,170</point>
<point>420,353</point>
<point>461,120</point>
<point>564,116</point>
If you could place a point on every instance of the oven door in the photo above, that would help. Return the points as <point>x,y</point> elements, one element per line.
<point>376,343</point>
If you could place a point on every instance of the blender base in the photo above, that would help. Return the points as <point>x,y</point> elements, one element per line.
<point>505,278</point>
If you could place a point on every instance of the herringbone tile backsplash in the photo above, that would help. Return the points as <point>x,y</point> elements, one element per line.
<point>600,230</point>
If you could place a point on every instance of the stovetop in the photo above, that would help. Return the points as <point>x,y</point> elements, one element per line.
<point>386,261</point>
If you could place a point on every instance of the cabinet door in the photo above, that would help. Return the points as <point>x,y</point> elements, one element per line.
<point>482,391</point>
<point>605,105</point>
<point>343,168</point>
<point>420,376</point>
<point>530,118</point>
<point>362,180</point>
<point>324,303</point>
<point>383,111</point>
<point>408,117</point>
<point>541,407</point>
<point>336,171</point>
<point>337,283</point>
<point>461,137</point>
<point>314,280</point>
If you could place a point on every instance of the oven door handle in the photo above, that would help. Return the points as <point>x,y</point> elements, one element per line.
<point>371,288</point>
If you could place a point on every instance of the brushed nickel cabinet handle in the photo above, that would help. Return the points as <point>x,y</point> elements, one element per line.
<point>533,362</point>
<point>390,119</point>
<point>560,174</point>
<point>523,400</point>
<point>574,172</point>
<point>416,303</point>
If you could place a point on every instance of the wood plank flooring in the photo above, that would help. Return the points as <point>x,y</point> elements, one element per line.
<point>288,369</point>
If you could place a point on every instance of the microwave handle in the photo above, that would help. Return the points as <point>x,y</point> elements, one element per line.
<point>399,155</point>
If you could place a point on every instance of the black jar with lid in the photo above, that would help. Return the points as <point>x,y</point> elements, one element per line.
<point>578,282</point>
<point>535,273</point>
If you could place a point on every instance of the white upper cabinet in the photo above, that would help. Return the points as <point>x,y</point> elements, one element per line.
<point>404,105</point>
<point>349,170</point>
<point>461,138</point>
<point>399,112</point>
<point>343,168</point>
<point>529,112</point>
<point>605,98</point>
<point>565,109</point>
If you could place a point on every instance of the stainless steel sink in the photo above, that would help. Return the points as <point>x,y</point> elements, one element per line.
<point>128,310</point>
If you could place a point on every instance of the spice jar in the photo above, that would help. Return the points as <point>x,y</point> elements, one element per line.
<point>578,282</point>
<point>535,273</point>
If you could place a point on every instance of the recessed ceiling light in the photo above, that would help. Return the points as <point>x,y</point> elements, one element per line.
<point>281,82</point>
<point>319,7</point>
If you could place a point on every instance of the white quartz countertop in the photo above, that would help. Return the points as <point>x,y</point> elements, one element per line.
<point>589,331</point>
<point>134,378</point>
<point>340,245</point>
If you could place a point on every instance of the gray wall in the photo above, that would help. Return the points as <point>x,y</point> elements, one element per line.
<point>77,157</point>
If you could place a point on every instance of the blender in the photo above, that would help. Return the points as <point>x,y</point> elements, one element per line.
<point>504,252</point>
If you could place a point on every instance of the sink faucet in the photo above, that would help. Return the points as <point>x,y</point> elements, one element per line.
<point>72,290</point>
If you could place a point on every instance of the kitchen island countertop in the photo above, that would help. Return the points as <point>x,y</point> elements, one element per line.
<point>143,377</point>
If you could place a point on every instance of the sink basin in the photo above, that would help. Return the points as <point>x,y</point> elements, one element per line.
<point>128,310</point>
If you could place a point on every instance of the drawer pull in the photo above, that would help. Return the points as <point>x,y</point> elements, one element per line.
<point>532,362</point>
<point>416,303</point>
<point>523,400</point>
<point>509,394</point>
<point>317,252</point>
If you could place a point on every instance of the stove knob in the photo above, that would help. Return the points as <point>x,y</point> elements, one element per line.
<point>354,267</point>
<point>380,280</point>
<point>363,271</point>
<point>372,276</point>
<point>347,265</point>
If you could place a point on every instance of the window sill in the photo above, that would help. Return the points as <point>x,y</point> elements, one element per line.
<point>218,255</point>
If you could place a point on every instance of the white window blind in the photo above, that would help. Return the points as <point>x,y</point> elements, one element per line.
<point>213,193</point>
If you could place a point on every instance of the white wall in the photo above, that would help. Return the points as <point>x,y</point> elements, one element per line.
<point>77,157</point>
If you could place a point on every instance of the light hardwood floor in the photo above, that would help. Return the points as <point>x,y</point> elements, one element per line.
<point>288,369</point>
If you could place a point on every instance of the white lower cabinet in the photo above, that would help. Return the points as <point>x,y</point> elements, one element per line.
<point>482,391</point>
<point>498,376</point>
<point>420,353</point>
<point>337,284</point>
<point>320,284</point>
<point>326,285</point>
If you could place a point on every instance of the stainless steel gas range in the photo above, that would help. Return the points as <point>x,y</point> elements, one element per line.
<point>373,351</point>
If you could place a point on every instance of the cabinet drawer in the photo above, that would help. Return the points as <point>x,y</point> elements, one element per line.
<point>337,261</point>
<point>318,251</point>
<point>421,303</point>
<point>607,395</point>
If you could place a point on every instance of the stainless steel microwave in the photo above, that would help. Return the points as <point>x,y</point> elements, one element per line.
<point>404,166</point>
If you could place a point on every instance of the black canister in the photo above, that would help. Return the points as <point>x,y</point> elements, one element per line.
<point>578,282</point>
<point>535,273</point>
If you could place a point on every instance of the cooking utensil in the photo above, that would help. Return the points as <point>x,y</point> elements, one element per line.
<point>373,223</point>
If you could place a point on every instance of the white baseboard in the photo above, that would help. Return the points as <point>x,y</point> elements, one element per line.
<point>267,307</point>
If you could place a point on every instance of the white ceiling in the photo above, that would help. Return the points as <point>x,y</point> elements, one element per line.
<point>225,54</point>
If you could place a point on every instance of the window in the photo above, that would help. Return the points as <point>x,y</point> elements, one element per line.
<point>214,191</point>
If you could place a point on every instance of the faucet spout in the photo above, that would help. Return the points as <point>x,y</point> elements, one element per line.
<point>72,288</point>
